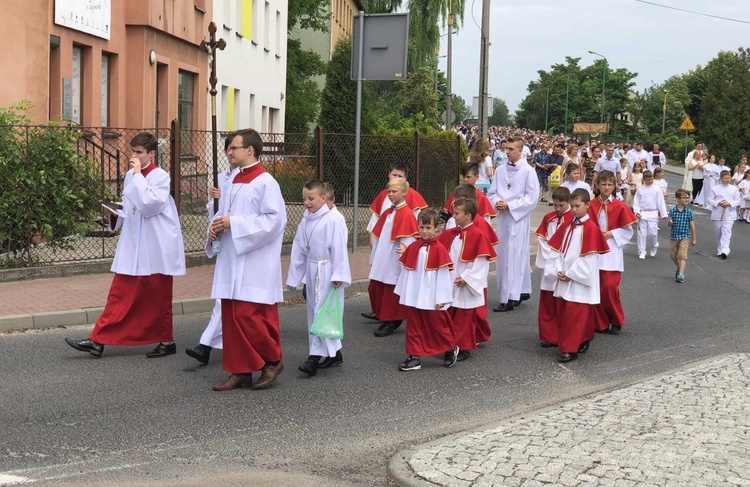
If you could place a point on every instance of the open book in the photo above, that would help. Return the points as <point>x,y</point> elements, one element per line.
<point>113,208</point>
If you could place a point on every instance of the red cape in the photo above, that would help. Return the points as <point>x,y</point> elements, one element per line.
<point>487,230</point>
<point>484,207</point>
<point>593,239</point>
<point>414,201</point>
<point>437,255</point>
<point>564,218</point>
<point>475,243</point>
<point>618,213</point>
<point>404,223</point>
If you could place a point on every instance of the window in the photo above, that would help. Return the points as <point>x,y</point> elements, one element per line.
<point>75,92</point>
<point>254,20</point>
<point>246,18</point>
<point>105,91</point>
<point>185,99</point>
<point>251,112</point>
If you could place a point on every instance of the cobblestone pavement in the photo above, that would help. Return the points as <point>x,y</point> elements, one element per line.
<point>689,427</point>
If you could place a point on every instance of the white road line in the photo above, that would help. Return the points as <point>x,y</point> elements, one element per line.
<point>6,479</point>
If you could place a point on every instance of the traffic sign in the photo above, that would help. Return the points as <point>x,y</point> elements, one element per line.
<point>687,124</point>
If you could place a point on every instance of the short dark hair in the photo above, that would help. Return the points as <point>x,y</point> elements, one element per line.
<point>725,173</point>
<point>647,174</point>
<point>572,166</point>
<point>467,206</point>
<point>561,193</point>
<point>399,166</point>
<point>250,138</point>
<point>316,185</point>
<point>470,168</point>
<point>429,216</point>
<point>658,170</point>
<point>227,141</point>
<point>681,192</point>
<point>581,194</point>
<point>605,177</point>
<point>147,140</point>
<point>465,191</point>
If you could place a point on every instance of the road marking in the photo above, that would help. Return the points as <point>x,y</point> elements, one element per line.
<point>6,479</point>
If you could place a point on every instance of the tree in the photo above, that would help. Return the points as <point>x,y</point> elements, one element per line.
<point>500,114</point>
<point>418,97</point>
<point>459,108</point>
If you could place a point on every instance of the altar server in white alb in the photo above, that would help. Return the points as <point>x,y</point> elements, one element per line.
<point>514,194</point>
<point>724,200</point>
<point>319,258</point>
<point>649,207</point>
<point>211,337</point>
<point>149,253</point>
<point>249,227</point>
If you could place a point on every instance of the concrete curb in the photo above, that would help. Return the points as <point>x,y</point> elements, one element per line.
<point>88,316</point>
<point>401,474</point>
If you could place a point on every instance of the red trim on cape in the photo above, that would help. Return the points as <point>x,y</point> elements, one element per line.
<point>404,223</point>
<point>474,243</point>
<point>437,255</point>
<point>413,199</point>
<point>593,240</point>
<point>487,230</point>
<point>618,213</point>
<point>247,174</point>
<point>484,207</point>
<point>562,220</point>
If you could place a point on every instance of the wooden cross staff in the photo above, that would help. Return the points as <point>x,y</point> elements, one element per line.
<point>211,47</point>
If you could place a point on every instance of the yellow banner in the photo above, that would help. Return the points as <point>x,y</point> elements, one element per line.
<point>590,128</point>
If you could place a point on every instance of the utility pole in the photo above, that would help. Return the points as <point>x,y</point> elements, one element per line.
<point>546,112</point>
<point>604,77</point>
<point>449,93</point>
<point>567,92</point>
<point>484,60</point>
<point>211,47</point>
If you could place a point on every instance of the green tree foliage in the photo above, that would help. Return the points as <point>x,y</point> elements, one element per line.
<point>303,94</point>
<point>418,98</point>
<point>500,114</point>
<point>50,193</point>
<point>459,108</point>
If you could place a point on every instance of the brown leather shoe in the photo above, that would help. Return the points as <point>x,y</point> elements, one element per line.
<point>268,375</point>
<point>234,381</point>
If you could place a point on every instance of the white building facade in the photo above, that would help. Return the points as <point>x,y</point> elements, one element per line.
<point>251,70</point>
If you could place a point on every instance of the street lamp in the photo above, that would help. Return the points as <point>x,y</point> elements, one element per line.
<point>546,112</point>
<point>604,77</point>
<point>664,113</point>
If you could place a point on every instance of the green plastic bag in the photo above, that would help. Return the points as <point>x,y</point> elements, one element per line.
<point>329,322</point>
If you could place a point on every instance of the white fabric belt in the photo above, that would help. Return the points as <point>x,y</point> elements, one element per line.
<point>320,264</point>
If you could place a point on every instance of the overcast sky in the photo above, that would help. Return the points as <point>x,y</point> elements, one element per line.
<point>529,35</point>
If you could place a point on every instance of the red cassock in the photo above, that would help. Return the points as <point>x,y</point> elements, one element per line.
<point>138,311</point>
<point>484,207</point>
<point>251,335</point>
<point>610,310</point>
<point>383,300</point>
<point>428,332</point>
<point>547,300</point>
<point>575,320</point>
<point>470,326</point>
<point>413,199</point>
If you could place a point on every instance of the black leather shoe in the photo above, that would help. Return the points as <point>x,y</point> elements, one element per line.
<point>614,329</point>
<point>584,346</point>
<point>514,302</point>
<point>724,256</point>
<point>201,353</point>
<point>547,345</point>
<point>524,297</point>
<point>396,324</point>
<point>95,349</point>
<point>370,316</point>
<point>162,350</point>
<point>564,358</point>
<point>310,367</point>
<point>384,330</point>
<point>463,355</point>
<point>331,361</point>
<point>503,307</point>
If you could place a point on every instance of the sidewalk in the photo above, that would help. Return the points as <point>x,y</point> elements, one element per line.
<point>688,427</point>
<point>77,300</point>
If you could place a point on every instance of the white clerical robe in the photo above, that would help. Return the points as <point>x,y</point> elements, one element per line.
<point>151,237</point>
<point>710,179</point>
<point>582,270</point>
<point>649,202</point>
<point>544,251</point>
<point>662,161</point>
<point>578,184</point>
<point>423,289</point>
<point>474,273</point>
<point>634,156</point>
<point>613,260</point>
<point>319,257</point>
<point>383,257</point>
<point>519,187</point>
<point>248,266</point>
<point>727,192</point>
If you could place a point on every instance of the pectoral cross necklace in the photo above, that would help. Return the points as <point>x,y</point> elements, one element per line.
<point>309,236</point>
<point>233,196</point>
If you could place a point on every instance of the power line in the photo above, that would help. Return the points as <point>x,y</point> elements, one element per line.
<point>693,12</point>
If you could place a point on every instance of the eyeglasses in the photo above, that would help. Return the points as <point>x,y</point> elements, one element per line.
<point>232,148</point>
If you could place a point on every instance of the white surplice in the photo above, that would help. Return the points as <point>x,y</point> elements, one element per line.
<point>582,270</point>
<point>613,260</point>
<point>578,184</point>
<point>248,265</point>
<point>519,187</point>
<point>544,251</point>
<point>384,206</point>
<point>710,179</point>
<point>151,237</point>
<point>319,257</point>
<point>383,257</point>
<point>423,289</point>
<point>474,273</point>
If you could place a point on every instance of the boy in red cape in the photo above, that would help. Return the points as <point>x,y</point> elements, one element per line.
<point>616,222</point>
<point>396,228</point>
<point>576,247</point>
<point>547,302</point>
<point>470,172</point>
<point>425,288</point>
<point>471,254</point>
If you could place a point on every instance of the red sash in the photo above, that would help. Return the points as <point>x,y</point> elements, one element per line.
<point>484,207</point>
<point>474,244</point>
<point>437,255</point>
<point>618,213</point>
<point>593,240</point>
<point>561,220</point>
<point>404,223</point>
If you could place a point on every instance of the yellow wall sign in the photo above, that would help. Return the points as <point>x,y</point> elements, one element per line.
<point>687,124</point>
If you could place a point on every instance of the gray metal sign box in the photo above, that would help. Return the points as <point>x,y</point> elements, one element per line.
<point>385,45</point>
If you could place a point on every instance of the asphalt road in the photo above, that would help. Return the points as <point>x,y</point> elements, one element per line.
<point>69,419</point>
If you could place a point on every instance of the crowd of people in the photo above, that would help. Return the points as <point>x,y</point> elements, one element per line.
<point>429,267</point>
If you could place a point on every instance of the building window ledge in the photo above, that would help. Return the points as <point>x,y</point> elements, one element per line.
<point>239,34</point>
<point>278,57</point>
<point>111,134</point>
<point>254,43</point>
<point>226,27</point>
<point>266,49</point>
<point>202,11</point>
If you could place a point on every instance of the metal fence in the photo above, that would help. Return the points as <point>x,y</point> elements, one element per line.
<point>291,158</point>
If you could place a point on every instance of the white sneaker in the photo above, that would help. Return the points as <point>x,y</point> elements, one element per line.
<point>653,251</point>
<point>642,256</point>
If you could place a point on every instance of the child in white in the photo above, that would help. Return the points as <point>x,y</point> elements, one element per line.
<point>573,179</point>
<point>724,200</point>
<point>649,206</point>
<point>744,187</point>
<point>710,179</point>
<point>660,182</point>
<point>319,256</point>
